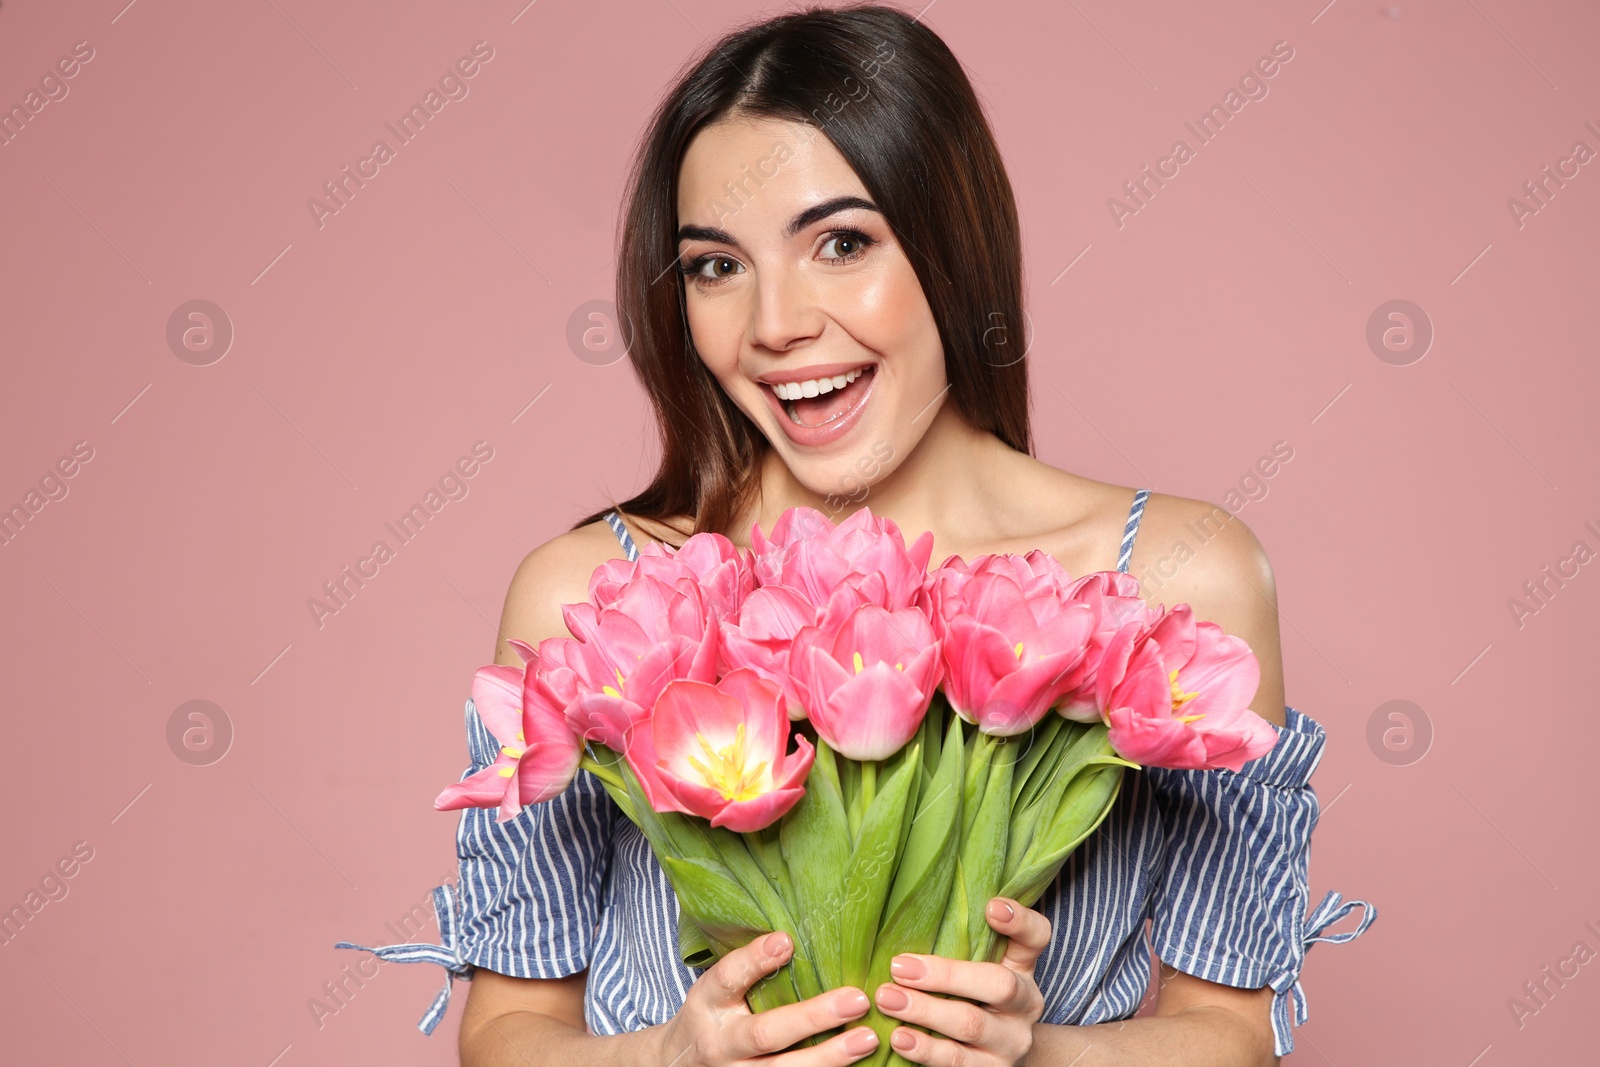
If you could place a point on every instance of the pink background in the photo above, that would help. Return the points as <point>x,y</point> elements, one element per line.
<point>1227,315</point>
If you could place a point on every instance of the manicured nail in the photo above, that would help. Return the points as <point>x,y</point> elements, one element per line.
<point>907,967</point>
<point>849,1005</point>
<point>1002,911</point>
<point>860,1042</point>
<point>892,998</point>
<point>776,944</point>
<point>903,1039</point>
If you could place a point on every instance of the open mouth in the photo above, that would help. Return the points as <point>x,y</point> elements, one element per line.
<point>829,399</point>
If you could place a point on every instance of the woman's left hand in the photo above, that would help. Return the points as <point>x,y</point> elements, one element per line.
<point>997,1030</point>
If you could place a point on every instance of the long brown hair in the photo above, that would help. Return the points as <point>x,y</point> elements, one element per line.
<point>895,102</point>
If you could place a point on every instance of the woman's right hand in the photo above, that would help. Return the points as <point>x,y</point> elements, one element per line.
<point>716,1028</point>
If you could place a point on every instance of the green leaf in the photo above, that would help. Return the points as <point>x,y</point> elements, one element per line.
<point>928,862</point>
<point>1074,744</point>
<point>980,750</point>
<point>1041,742</point>
<point>1084,806</point>
<point>983,852</point>
<point>726,914</point>
<point>814,838</point>
<point>952,941</point>
<point>923,885</point>
<point>868,873</point>
<point>850,789</point>
<point>694,947</point>
<point>721,907</point>
<point>1042,773</point>
<point>736,851</point>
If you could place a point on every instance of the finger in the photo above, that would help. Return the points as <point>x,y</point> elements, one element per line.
<point>1028,931</point>
<point>998,987</point>
<point>959,1020</point>
<point>847,1047</point>
<point>931,1049</point>
<point>766,1032</point>
<point>728,979</point>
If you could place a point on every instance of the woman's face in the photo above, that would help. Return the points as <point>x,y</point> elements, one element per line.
<point>793,277</point>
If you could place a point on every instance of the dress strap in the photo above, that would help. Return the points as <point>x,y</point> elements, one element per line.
<point>447,954</point>
<point>619,528</point>
<point>1131,529</point>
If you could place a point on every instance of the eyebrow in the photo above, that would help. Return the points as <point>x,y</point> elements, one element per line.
<point>806,218</point>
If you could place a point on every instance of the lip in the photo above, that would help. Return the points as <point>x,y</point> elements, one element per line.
<point>816,436</point>
<point>820,370</point>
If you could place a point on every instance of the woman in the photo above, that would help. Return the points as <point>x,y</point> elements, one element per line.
<point>844,326</point>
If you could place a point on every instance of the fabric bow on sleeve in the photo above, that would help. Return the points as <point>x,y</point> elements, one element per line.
<point>446,955</point>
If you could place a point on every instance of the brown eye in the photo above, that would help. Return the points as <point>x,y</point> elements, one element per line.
<point>846,245</point>
<point>712,268</point>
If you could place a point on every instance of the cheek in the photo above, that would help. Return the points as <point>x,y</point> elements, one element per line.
<point>715,330</point>
<point>888,310</point>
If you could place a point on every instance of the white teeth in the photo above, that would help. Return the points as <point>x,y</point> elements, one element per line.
<point>814,386</point>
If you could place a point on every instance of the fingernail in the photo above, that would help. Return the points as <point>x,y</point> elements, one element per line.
<point>776,944</point>
<point>907,967</point>
<point>851,1004</point>
<point>1002,911</point>
<point>892,999</point>
<point>860,1042</point>
<point>903,1039</point>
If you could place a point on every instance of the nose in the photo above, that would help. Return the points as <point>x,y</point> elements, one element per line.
<point>785,312</point>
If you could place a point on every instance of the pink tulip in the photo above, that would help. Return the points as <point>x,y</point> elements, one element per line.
<point>719,751</point>
<point>1113,597</point>
<point>812,556</point>
<point>626,654</point>
<point>760,638</point>
<point>1177,694</point>
<point>539,753</point>
<point>1010,639</point>
<point>722,571</point>
<point>866,686</point>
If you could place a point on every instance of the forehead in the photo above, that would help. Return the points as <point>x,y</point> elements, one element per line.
<point>743,172</point>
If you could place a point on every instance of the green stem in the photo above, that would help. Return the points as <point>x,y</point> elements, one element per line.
<point>594,767</point>
<point>869,783</point>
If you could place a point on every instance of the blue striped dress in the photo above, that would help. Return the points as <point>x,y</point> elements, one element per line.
<point>1216,861</point>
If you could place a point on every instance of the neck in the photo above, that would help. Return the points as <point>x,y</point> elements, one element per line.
<point>953,483</point>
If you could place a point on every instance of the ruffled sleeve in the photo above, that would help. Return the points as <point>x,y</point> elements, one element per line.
<point>530,889</point>
<point>1232,904</point>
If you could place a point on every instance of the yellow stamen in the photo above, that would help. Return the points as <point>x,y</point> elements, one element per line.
<point>857,657</point>
<point>727,774</point>
<point>1018,650</point>
<point>514,753</point>
<point>507,772</point>
<point>1180,698</point>
<point>617,692</point>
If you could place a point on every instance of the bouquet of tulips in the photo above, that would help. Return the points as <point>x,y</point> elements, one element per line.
<point>820,735</point>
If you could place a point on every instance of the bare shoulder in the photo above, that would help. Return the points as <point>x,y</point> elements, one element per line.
<point>1199,552</point>
<point>1194,552</point>
<point>1186,551</point>
<point>555,573</point>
